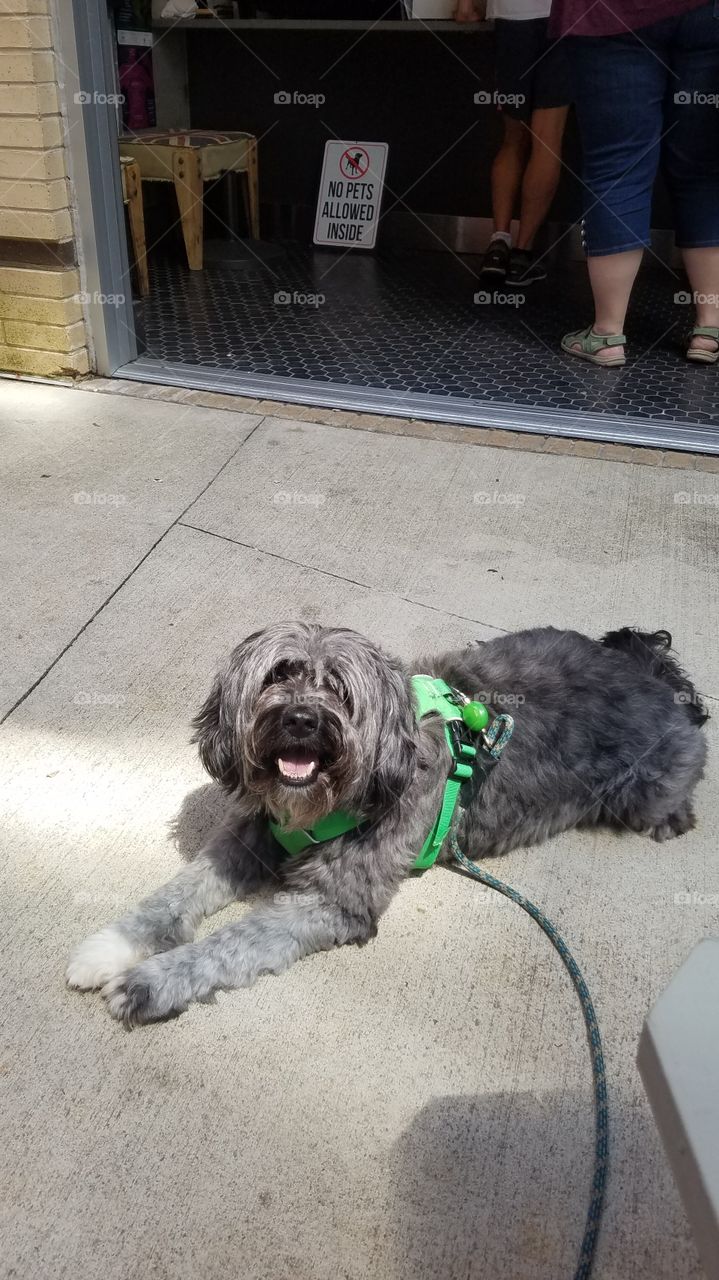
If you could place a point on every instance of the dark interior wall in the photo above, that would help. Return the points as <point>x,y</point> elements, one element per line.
<point>413,90</point>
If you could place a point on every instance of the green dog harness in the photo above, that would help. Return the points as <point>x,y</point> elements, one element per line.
<point>461,716</point>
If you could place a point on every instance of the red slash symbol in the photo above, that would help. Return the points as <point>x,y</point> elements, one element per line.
<point>354,162</point>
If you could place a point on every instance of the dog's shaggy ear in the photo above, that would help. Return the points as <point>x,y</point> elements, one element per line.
<point>396,756</point>
<point>214,734</point>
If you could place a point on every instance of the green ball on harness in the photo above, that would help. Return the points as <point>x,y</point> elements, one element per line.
<point>475,716</point>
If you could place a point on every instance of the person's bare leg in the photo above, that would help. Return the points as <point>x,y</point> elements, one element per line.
<point>465,11</point>
<point>612,276</point>
<point>541,176</point>
<point>507,170</point>
<point>702,268</point>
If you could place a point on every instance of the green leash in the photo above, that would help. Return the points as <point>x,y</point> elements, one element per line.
<point>463,718</point>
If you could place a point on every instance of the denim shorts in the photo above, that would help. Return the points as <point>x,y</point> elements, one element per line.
<point>647,99</point>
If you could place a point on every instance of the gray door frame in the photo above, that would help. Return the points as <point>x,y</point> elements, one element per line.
<point>86,71</point>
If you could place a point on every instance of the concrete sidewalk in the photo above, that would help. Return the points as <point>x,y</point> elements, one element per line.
<point>417,1108</point>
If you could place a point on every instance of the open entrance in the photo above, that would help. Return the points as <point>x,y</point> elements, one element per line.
<point>223,122</point>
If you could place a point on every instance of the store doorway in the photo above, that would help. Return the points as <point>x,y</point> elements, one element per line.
<point>406,328</point>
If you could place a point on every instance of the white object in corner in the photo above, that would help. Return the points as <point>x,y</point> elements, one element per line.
<point>179,9</point>
<point>678,1061</point>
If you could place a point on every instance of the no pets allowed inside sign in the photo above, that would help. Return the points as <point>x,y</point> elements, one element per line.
<point>350,194</point>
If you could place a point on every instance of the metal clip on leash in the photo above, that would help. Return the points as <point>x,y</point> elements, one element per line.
<point>496,737</point>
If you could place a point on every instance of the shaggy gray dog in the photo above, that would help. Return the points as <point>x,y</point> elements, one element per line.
<point>303,720</point>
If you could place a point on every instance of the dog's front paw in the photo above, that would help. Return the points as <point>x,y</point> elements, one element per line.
<point>99,958</point>
<point>153,990</point>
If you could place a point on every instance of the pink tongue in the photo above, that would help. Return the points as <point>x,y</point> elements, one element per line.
<point>296,766</point>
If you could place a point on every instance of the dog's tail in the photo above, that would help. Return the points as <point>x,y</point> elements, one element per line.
<point>651,650</point>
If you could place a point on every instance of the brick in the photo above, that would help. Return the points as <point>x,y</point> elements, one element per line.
<point>34,282</point>
<point>20,66</point>
<point>29,99</point>
<point>499,439</point>
<point>216,400</point>
<point>705,463</point>
<point>25,6</point>
<point>586,448</point>
<point>682,461</point>
<point>115,386</point>
<point>25,32</point>
<point>327,417</point>
<point>44,364</point>
<point>31,131</point>
<point>16,193</point>
<point>62,311</point>
<point>40,166</point>
<point>616,452</point>
<point>367,421</point>
<point>647,457</point>
<point>526,440</point>
<point>44,337</point>
<point>18,225</point>
<point>558,444</point>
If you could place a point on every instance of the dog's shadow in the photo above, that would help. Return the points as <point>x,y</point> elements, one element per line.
<point>200,812</point>
<point>492,1184</point>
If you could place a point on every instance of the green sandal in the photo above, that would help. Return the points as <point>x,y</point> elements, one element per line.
<point>590,343</point>
<point>697,354</point>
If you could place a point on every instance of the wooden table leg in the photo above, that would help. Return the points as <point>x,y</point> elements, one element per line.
<point>133,194</point>
<point>187,173</point>
<point>254,188</point>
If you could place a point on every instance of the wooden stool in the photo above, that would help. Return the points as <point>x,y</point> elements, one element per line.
<point>189,158</point>
<point>132,197</point>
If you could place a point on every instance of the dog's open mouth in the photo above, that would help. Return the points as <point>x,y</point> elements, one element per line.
<point>298,768</point>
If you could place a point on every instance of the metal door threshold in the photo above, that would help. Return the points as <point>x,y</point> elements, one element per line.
<point>609,428</point>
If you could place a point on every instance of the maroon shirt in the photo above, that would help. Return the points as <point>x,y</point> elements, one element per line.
<point>611,17</point>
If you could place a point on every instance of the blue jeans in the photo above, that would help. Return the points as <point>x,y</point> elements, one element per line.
<point>643,99</point>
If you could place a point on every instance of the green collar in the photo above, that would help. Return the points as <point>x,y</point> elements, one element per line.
<point>431,696</point>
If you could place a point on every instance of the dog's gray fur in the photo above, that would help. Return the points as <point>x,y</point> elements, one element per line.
<point>607,732</point>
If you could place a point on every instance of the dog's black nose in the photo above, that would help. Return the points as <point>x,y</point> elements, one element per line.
<point>300,721</point>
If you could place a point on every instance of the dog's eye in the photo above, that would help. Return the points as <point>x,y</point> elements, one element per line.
<point>283,672</point>
<point>339,688</point>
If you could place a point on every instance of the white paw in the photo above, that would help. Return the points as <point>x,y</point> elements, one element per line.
<point>99,958</point>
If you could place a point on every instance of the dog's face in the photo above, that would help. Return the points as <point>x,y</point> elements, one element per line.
<point>304,720</point>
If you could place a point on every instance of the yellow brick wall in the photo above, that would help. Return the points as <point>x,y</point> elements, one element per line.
<point>41,323</point>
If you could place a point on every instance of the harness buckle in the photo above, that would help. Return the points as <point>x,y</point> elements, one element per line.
<point>463,753</point>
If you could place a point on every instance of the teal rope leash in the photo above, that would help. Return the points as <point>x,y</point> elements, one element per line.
<point>596,1204</point>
